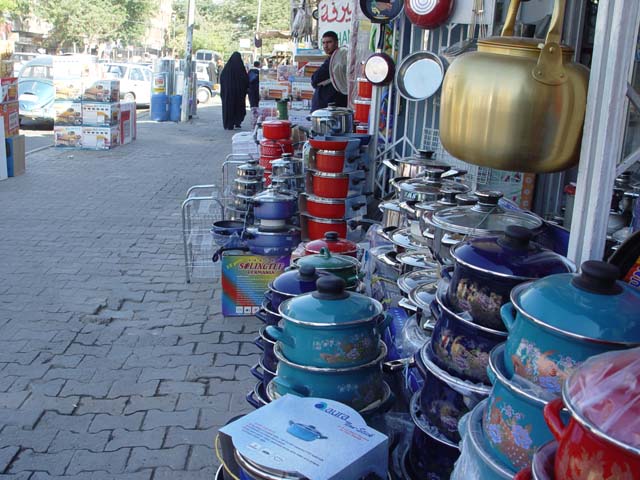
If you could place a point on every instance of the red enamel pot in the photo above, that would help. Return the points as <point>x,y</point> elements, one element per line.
<point>329,207</point>
<point>267,178</point>
<point>265,160</point>
<point>334,243</point>
<point>330,161</point>
<point>428,14</point>
<point>334,145</point>
<point>275,148</point>
<point>331,185</point>
<point>362,108</point>
<point>362,128</point>
<point>365,88</point>
<point>586,452</point>
<point>318,227</point>
<point>276,129</point>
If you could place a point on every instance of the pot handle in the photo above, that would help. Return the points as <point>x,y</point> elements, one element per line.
<point>551,414</point>
<point>387,163</point>
<point>524,474</point>
<point>436,311</point>
<point>251,400</point>
<point>507,312</point>
<point>258,343</point>
<point>357,206</point>
<point>391,366</point>
<point>446,273</point>
<point>255,371</point>
<point>299,389</point>
<point>491,374</point>
<point>549,69</point>
<point>384,323</point>
<point>278,334</point>
<point>261,315</point>
<point>356,181</point>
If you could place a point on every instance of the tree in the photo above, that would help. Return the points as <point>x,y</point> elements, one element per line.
<point>138,14</point>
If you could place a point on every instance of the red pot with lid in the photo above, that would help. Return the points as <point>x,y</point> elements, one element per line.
<point>265,160</point>
<point>338,208</point>
<point>333,185</point>
<point>331,161</point>
<point>276,129</point>
<point>334,243</point>
<point>319,227</point>
<point>601,439</point>
<point>362,128</point>
<point>365,88</point>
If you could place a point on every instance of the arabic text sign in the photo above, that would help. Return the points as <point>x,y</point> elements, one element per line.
<point>336,15</point>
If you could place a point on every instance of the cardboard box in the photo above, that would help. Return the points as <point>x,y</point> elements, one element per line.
<point>127,122</point>
<point>6,68</point>
<point>100,114</point>
<point>67,113</point>
<point>68,89</point>
<point>4,173</point>
<point>100,138</point>
<point>106,91</point>
<point>16,163</point>
<point>310,437</point>
<point>8,89</point>
<point>273,91</point>
<point>245,278</point>
<point>67,136</point>
<point>11,116</point>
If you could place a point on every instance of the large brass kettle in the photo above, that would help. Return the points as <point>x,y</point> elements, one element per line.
<point>516,104</point>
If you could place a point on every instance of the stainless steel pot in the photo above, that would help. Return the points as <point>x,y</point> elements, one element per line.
<point>248,185</point>
<point>250,170</point>
<point>392,215</point>
<point>331,121</point>
<point>416,165</point>
<point>426,188</point>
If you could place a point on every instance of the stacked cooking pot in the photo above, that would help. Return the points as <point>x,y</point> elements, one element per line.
<point>554,324</point>
<point>335,186</point>
<point>328,346</point>
<point>287,173</point>
<point>277,140</point>
<point>466,309</point>
<point>249,181</point>
<point>362,105</point>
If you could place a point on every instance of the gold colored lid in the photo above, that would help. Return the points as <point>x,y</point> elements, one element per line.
<point>518,46</point>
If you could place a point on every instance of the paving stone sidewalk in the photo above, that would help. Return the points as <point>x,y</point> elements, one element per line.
<point>111,365</point>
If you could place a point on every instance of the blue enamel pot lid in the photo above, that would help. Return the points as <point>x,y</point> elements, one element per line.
<point>592,306</point>
<point>296,282</point>
<point>331,304</point>
<point>512,255</point>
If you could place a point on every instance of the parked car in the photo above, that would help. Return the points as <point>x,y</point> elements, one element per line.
<point>206,90</point>
<point>36,92</point>
<point>135,81</point>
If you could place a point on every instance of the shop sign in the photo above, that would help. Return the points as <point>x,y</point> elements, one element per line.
<point>335,15</point>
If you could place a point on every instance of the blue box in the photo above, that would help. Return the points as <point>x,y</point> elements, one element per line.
<point>15,155</point>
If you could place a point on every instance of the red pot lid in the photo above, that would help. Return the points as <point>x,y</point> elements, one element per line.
<point>604,392</point>
<point>276,123</point>
<point>333,243</point>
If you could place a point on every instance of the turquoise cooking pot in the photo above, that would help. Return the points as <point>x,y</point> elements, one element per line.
<point>513,421</point>
<point>330,327</point>
<point>357,387</point>
<point>342,266</point>
<point>559,321</point>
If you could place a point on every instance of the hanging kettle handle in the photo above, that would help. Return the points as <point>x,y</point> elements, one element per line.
<point>549,69</point>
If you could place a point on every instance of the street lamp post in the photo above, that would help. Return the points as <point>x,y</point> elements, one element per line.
<point>186,94</point>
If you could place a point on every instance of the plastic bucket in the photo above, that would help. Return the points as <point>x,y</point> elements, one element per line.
<point>159,111</point>
<point>175,108</point>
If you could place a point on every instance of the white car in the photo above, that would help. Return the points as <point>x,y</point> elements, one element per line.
<point>135,81</point>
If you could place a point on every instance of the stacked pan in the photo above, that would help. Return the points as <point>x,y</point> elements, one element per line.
<point>287,173</point>
<point>362,105</point>
<point>277,141</point>
<point>334,186</point>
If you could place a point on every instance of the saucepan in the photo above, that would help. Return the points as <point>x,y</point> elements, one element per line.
<point>379,67</point>
<point>420,75</point>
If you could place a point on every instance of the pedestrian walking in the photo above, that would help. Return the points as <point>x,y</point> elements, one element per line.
<point>254,92</point>
<point>234,82</point>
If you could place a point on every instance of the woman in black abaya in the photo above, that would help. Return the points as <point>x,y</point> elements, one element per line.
<point>234,82</point>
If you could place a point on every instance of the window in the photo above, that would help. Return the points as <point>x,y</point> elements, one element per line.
<point>147,74</point>
<point>36,71</point>
<point>136,75</point>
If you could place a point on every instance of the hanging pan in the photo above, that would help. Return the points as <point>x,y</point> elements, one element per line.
<point>428,13</point>
<point>420,75</point>
<point>379,67</point>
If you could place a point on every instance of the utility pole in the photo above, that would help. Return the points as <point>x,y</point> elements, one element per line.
<point>255,47</point>
<point>186,91</point>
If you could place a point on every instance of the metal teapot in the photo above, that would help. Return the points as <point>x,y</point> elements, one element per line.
<point>516,104</point>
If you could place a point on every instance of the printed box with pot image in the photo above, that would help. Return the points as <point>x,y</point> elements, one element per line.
<point>67,136</point>
<point>105,91</point>
<point>100,138</point>
<point>67,113</point>
<point>100,114</point>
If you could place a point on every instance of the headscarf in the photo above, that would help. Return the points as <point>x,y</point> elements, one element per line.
<point>234,82</point>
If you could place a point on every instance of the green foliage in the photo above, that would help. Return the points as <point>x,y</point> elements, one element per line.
<point>89,21</point>
<point>220,25</point>
<point>7,6</point>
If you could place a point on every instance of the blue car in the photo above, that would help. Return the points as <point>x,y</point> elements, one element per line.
<point>36,92</point>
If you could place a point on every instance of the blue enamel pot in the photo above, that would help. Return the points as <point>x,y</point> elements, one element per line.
<point>431,455</point>
<point>262,373</point>
<point>272,204</point>
<point>292,283</point>
<point>513,422</point>
<point>267,242</point>
<point>257,397</point>
<point>267,314</point>
<point>461,346</point>
<point>308,433</point>
<point>445,398</point>
<point>357,387</point>
<point>487,268</point>
<point>477,460</point>
<point>557,322</point>
<point>330,327</point>
<point>249,470</point>
<point>266,343</point>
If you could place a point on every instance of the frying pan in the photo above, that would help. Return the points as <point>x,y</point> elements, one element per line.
<point>420,75</point>
<point>379,67</point>
<point>428,13</point>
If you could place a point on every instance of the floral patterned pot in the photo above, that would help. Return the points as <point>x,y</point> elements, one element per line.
<point>431,454</point>
<point>461,346</point>
<point>513,423</point>
<point>444,398</point>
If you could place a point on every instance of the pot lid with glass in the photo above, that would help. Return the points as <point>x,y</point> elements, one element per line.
<point>330,304</point>
<point>332,112</point>
<point>333,242</point>
<point>512,254</point>
<point>326,261</point>
<point>414,279</point>
<point>272,194</point>
<point>591,305</point>
<point>485,217</point>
